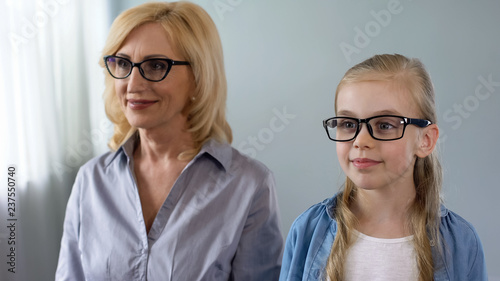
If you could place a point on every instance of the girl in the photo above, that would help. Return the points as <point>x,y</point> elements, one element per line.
<point>388,222</point>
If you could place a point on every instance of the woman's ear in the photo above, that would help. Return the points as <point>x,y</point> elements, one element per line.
<point>428,140</point>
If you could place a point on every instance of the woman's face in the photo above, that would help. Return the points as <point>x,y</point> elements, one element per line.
<point>154,105</point>
<point>369,163</point>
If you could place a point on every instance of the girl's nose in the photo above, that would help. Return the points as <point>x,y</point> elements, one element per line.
<point>363,139</point>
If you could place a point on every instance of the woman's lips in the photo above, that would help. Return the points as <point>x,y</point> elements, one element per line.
<point>363,163</point>
<point>140,104</point>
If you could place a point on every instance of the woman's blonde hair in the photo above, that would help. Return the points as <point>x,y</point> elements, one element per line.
<point>423,215</point>
<point>194,35</point>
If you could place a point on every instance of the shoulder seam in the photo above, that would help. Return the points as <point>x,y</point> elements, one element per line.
<point>471,229</point>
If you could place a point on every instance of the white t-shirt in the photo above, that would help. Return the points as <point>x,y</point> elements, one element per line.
<point>371,258</point>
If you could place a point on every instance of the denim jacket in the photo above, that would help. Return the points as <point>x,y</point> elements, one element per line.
<point>311,238</point>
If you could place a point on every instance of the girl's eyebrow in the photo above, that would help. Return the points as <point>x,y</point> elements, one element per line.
<point>381,112</point>
<point>345,113</point>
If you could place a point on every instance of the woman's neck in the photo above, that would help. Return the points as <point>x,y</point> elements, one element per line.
<point>162,145</point>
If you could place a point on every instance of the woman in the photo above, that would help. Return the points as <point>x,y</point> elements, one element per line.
<point>173,200</point>
<point>388,222</point>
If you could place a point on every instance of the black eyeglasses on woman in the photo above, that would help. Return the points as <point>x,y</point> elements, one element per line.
<point>155,69</point>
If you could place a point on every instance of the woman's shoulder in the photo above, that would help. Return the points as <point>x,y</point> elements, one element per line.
<point>99,162</point>
<point>95,172</point>
<point>246,162</point>
<point>233,160</point>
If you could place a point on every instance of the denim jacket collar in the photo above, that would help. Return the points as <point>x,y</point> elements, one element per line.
<point>439,264</point>
<point>331,203</point>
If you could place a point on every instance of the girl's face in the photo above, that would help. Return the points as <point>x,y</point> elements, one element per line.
<point>373,164</point>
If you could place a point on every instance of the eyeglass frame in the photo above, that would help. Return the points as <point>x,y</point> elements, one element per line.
<point>422,123</point>
<point>170,63</point>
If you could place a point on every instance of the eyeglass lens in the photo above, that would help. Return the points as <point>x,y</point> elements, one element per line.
<point>384,128</point>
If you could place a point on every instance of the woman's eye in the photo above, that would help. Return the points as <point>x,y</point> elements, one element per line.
<point>157,66</point>
<point>122,63</point>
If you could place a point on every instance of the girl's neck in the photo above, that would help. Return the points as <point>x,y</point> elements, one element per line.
<point>383,213</point>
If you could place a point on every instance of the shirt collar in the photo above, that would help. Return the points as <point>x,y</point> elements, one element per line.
<point>222,153</point>
<point>127,148</point>
<point>330,205</point>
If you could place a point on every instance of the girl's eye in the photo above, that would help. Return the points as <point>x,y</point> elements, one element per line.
<point>347,125</point>
<point>385,126</point>
<point>386,123</point>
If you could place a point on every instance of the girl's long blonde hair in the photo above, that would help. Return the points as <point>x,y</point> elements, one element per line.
<point>423,215</point>
<point>195,37</point>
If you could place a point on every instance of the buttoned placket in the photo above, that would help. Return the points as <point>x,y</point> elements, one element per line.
<point>161,219</point>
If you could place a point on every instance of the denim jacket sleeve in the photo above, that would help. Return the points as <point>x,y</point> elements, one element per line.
<point>308,245</point>
<point>462,255</point>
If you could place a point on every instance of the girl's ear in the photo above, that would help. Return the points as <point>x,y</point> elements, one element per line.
<point>428,140</point>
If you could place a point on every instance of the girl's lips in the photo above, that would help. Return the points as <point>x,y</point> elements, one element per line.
<point>363,163</point>
<point>140,104</point>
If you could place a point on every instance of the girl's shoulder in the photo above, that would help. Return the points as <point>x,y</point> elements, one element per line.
<point>309,242</point>
<point>453,224</point>
<point>462,251</point>
<point>318,216</point>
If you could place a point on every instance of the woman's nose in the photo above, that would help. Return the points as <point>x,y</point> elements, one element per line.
<point>136,82</point>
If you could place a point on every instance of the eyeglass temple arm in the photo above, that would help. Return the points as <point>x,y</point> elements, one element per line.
<point>419,122</point>
<point>178,62</point>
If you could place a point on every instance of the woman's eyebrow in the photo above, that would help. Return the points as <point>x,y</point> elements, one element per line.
<point>155,56</point>
<point>123,55</point>
<point>144,58</point>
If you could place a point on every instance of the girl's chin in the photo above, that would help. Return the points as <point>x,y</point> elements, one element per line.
<point>366,188</point>
<point>365,184</point>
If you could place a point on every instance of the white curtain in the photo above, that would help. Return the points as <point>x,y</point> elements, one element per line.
<point>51,121</point>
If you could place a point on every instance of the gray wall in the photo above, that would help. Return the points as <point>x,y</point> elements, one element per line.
<point>284,60</point>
